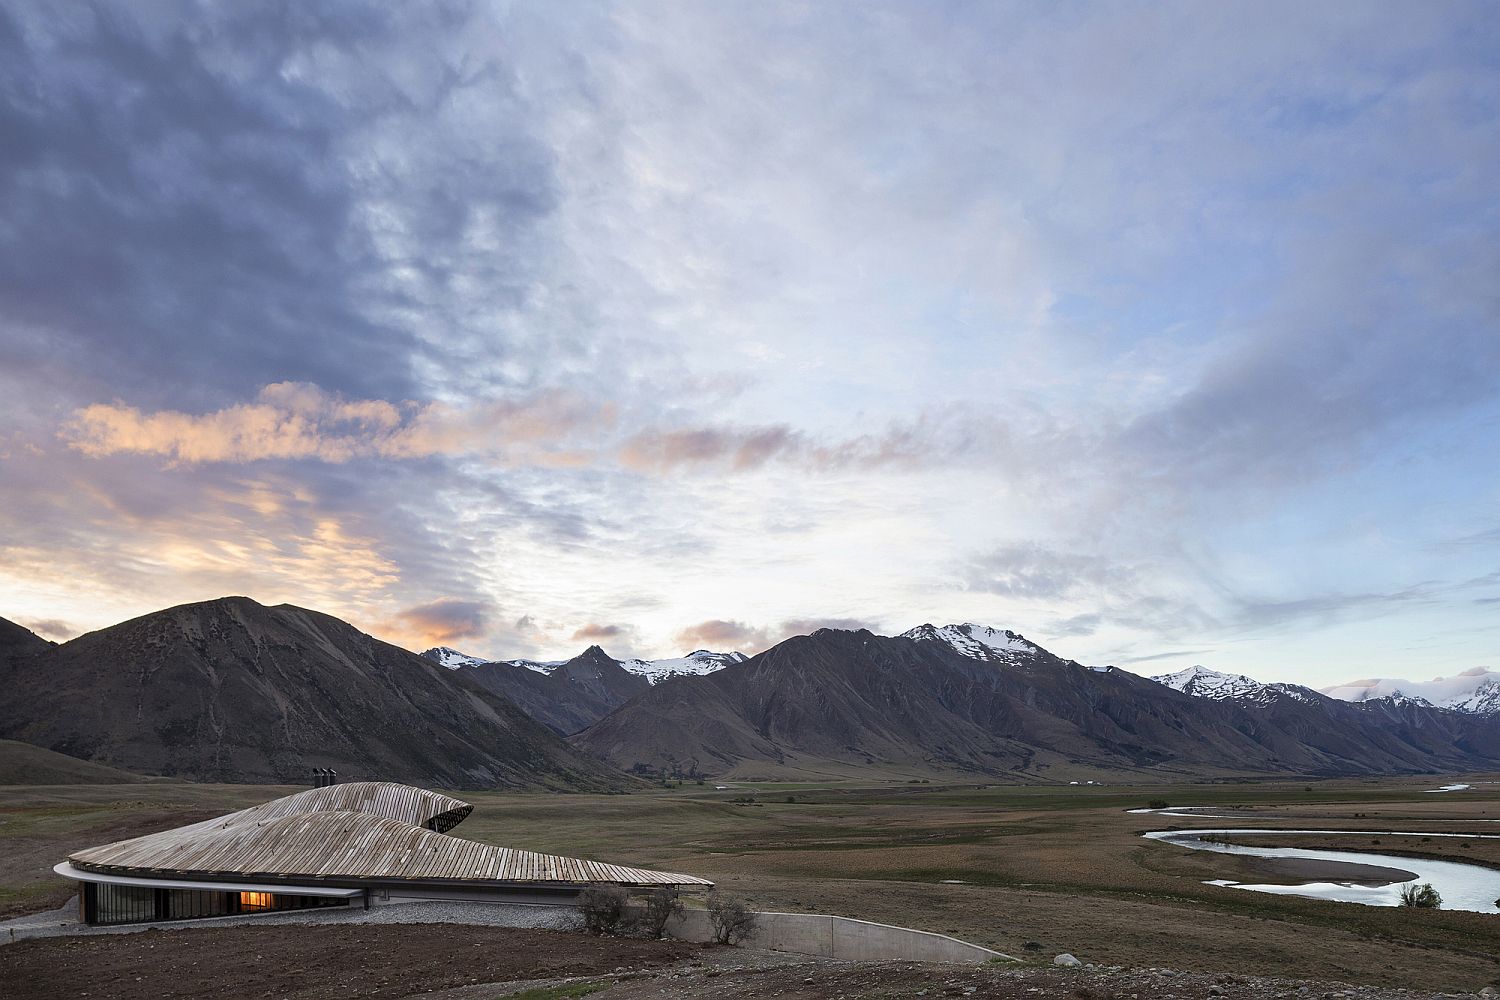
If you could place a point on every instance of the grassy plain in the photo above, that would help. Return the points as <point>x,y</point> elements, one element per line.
<point>1063,867</point>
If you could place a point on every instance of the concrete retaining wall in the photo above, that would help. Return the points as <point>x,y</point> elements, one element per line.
<point>844,938</point>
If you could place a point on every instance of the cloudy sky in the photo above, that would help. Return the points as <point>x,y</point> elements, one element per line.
<point>1162,334</point>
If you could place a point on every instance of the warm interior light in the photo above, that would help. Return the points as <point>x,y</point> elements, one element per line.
<point>256,901</point>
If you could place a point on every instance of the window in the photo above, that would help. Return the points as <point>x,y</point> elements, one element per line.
<point>104,903</point>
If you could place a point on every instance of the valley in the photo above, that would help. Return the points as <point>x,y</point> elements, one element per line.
<point>1063,868</point>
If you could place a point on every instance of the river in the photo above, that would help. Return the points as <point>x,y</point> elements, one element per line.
<point>1462,886</point>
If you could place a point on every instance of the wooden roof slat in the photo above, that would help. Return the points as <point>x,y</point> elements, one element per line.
<point>365,830</point>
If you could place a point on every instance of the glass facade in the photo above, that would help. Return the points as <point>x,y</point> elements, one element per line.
<point>127,904</point>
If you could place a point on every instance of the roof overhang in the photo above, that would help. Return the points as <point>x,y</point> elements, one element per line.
<point>67,870</point>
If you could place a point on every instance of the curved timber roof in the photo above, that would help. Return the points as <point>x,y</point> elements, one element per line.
<point>407,803</point>
<point>276,841</point>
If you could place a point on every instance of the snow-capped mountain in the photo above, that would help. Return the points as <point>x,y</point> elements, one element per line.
<point>1475,691</point>
<point>540,666</point>
<point>969,696</point>
<point>571,695</point>
<point>977,642</point>
<point>695,664</point>
<point>451,658</point>
<point>1201,682</point>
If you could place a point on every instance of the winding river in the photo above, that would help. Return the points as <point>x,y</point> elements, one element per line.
<point>1463,886</point>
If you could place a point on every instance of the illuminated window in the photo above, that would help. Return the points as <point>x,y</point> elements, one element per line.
<point>251,902</point>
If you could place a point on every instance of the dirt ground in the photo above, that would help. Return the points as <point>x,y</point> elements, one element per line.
<point>311,962</point>
<point>447,962</point>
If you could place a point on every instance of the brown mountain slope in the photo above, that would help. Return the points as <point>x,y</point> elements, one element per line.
<point>572,697</point>
<point>229,690</point>
<point>17,641</point>
<point>836,701</point>
<point>24,764</point>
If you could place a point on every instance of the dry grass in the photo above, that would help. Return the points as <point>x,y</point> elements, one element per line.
<point>1064,867</point>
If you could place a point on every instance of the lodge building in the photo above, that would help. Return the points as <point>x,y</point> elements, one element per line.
<point>362,843</point>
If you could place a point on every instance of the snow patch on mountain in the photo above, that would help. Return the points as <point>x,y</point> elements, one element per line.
<point>977,642</point>
<point>695,664</point>
<point>1475,691</point>
<point>539,666</point>
<point>451,658</point>
<point>1201,682</point>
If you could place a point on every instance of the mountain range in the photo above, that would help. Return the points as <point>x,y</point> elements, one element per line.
<point>966,698</point>
<point>694,664</point>
<point>230,690</point>
<point>1202,682</point>
<point>571,695</point>
<point>1476,691</point>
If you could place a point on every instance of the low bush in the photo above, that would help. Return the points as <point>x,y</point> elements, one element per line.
<point>729,919</point>
<point>603,908</point>
<point>1157,804</point>
<point>1422,896</point>
<point>661,905</point>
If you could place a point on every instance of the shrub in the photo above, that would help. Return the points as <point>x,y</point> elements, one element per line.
<point>729,919</point>
<point>1157,804</point>
<point>661,905</point>
<point>1422,896</point>
<point>603,908</point>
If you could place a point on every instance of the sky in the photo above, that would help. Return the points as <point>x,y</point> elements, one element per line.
<point>1159,333</point>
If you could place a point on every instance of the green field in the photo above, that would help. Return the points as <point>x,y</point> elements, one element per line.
<point>1063,867</point>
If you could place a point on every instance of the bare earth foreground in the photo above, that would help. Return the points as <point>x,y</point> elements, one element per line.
<point>1058,869</point>
<point>468,963</point>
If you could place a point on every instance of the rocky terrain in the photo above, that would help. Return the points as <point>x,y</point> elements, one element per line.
<point>17,642</point>
<point>458,962</point>
<point>230,690</point>
<point>570,695</point>
<point>573,696</point>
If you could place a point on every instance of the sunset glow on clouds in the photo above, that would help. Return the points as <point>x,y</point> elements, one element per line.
<point>1162,334</point>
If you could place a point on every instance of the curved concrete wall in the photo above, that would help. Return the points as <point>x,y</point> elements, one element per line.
<point>830,936</point>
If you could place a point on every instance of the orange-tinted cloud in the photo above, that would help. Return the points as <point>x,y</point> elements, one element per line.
<point>292,420</point>
<point>593,632</point>
<point>299,420</point>
<point>444,621</point>
<point>721,635</point>
<point>748,448</point>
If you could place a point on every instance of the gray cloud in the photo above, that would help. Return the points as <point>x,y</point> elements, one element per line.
<point>1174,655</point>
<point>1258,614</point>
<point>1036,571</point>
<point>723,635</point>
<point>866,304</point>
<point>50,628</point>
<point>1075,625</point>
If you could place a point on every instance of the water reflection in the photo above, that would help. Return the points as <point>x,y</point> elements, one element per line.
<point>1463,886</point>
